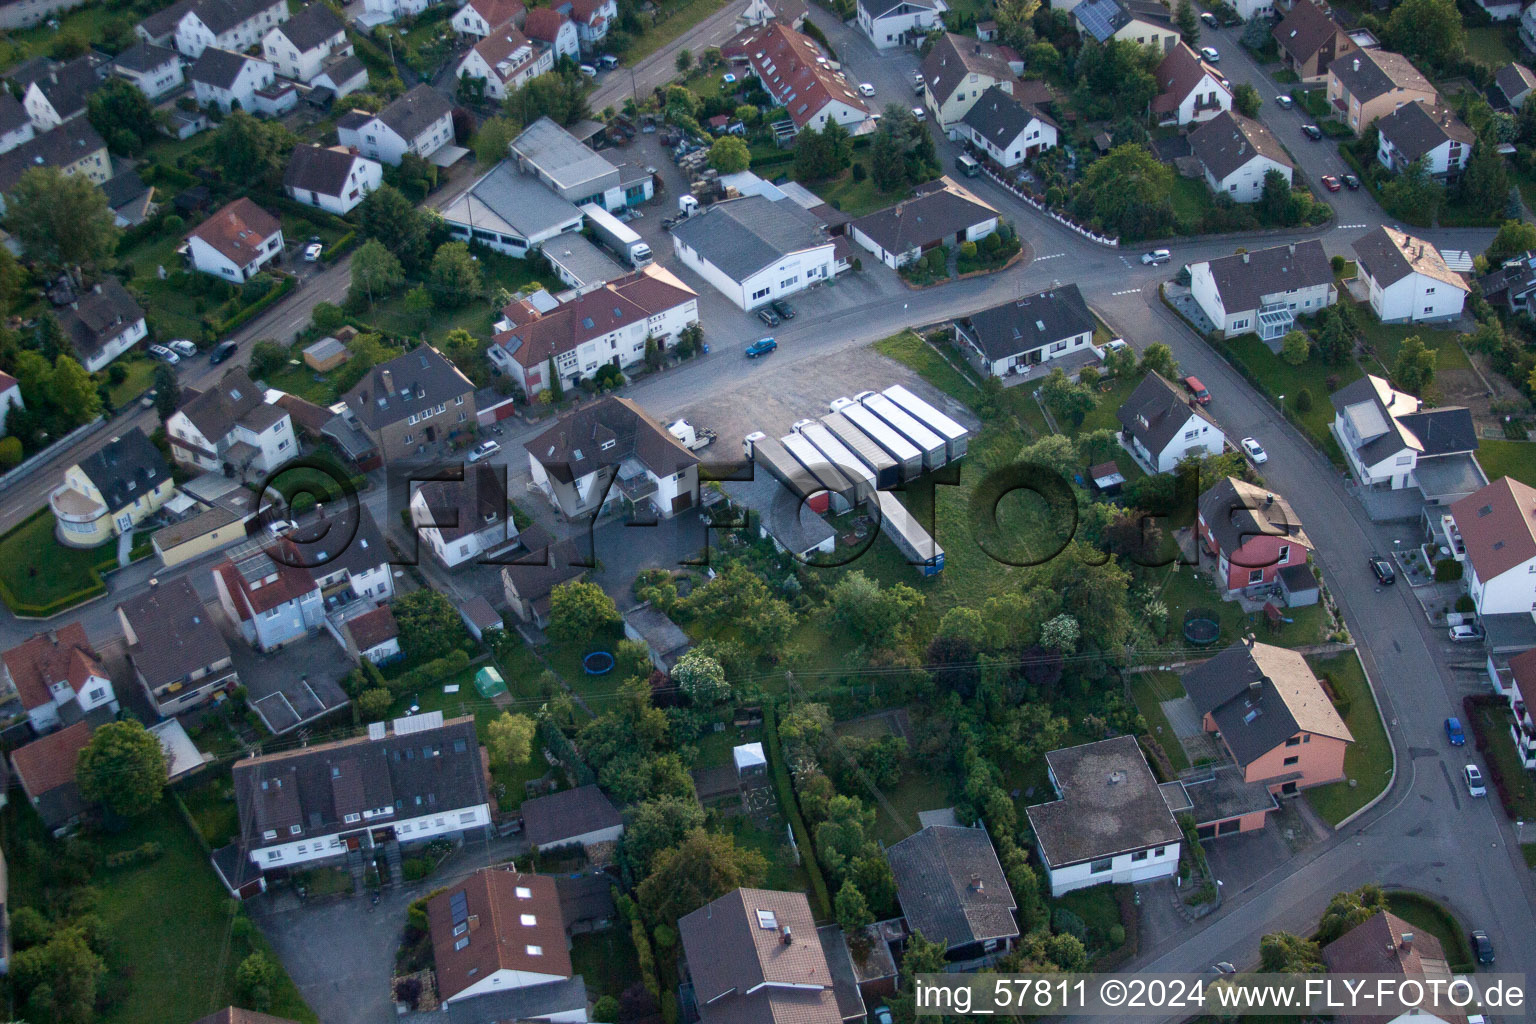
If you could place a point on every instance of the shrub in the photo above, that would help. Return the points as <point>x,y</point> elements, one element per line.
<point>414,869</point>
<point>859,173</point>
<point>605,1009</point>
<point>1117,935</point>
<point>1337,263</point>
<point>1063,920</point>
<point>140,854</point>
<point>1465,605</point>
<point>1447,570</point>
<point>1304,400</point>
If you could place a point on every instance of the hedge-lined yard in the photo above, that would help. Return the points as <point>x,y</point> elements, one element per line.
<point>41,577</point>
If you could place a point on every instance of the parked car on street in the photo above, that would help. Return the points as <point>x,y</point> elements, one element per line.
<point>1331,183</point>
<point>1211,54</point>
<point>784,309</point>
<point>1210,19</point>
<point>1474,776</point>
<point>1453,732</point>
<point>164,354</point>
<point>768,316</point>
<point>761,347</point>
<point>1351,182</point>
<point>484,450</point>
<point>1312,132</point>
<point>1465,634</point>
<point>920,114</point>
<point>222,351</point>
<point>1255,451</point>
<point>183,348</point>
<point>1382,570</point>
<point>1482,946</point>
<point>1197,390</point>
<point>588,70</point>
<point>865,89</point>
<point>1284,102</point>
<point>1155,257</point>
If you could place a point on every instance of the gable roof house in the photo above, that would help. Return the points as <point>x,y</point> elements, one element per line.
<point>344,552</point>
<point>1495,534</point>
<point>555,30</point>
<point>268,594</point>
<point>527,579</point>
<point>1273,716</point>
<point>413,404</point>
<point>1189,89</point>
<point>664,639</point>
<point>506,59</point>
<point>53,93</point>
<point>1163,427</point>
<point>236,242</point>
<point>15,126</point>
<point>1236,155</point>
<point>132,201</point>
<point>1006,129</point>
<point>59,677</point>
<point>479,17</point>
<point>156,70</point>
<point>1386,944</point>
<point>1253,534</point>
<point>342,75</point>
<point>1408,279</point>
<point>793,71</point>
<point>1028,334</point>
<point>1263,291</point>
<point>753,955</point>
<point>582,816</point>
<point>1109,823</point>
<point>231,428</point>
<point>111,491</point>
<point>1310,40</point>
<point>1520,677</point>
<point>300,46</point>
<point>790,12</point>
<point>419,122</point>
<point>1392,442</point>
<point>941,213</point>
<point>753,250</point>
<point>1515,82</point>
<point>177,653</point>
<point>465,521</point>
<point>575,171</point>
<point>18,14</point>
<point>332,178</point>
<point>1143,22</point>
<point>511,212</point>
<point>194,25</point>
<point>958,70</point>
<point>496,931</point>
<point>609,450</point>
<point>45,768</point>
<point>892,23</point>
<point>103,323</point>
<point>952,889</point>
<point>1367,85</point>
<point>374,635</point>
<point>73,147</point>
<point>420,776</point>
<point>227,79</point>
<point>1513,285</point>
<point>1425,131</point>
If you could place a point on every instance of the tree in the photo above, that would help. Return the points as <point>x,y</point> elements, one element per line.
<point>455,275</point>
<point>61,977</point>
<point>853,913</point>
<point>123,116</point>
<point>1069,400</point>
<point>1016,24</point>
<point>1427,30</point>
<point>122,768</point>
<point>1284,953</point>
<point>580,610</point>
<point>1413,192</point>
<point>1275,204</point>
<point>417,302</point>
<point>658,824</point>
<point>73,390</point>
<point>556,387</point>
<point>1158,358</point>
<point>701,868</point>
<point>252,150</point>
<point>902,151</point>
<point>167,391</point>
<point>1514,237</point>
<point>878,617</point>
<point>376,271</point>
<point>701,678</point>
<point>1188,21</point>
<point>62,222</point>
<point>1349,909</point>
<point>1114,79</point>
<point>1257,32</point>
<point>1060,634</point>
<point>374,703</point>
<point>560,96</point>
<point>385,214</point>
<point>494,139</point>
<point>1247,100</point>
<point>509,738</point>
<point>255,979</point>
<point>1414,369</point>
<point>1129,192</point>
<point>729,155</point>
<point>844,834</point>
<point>1484,185</point>
<point>1295,347</point>
<point>684,61</point>
<point>429,626</point>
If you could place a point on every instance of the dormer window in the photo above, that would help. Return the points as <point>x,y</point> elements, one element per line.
<point>294,830</point>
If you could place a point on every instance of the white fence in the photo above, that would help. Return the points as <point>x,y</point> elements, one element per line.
<point>1067,222</point>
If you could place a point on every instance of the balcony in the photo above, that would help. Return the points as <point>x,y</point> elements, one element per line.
<point>70,506</point>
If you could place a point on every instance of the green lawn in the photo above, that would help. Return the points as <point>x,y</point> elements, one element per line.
<point>35,569</point>
<point>677,20</point>
<point>172,311</point>
<point>1489,46</point>
<point>212,806</point>
<point>88,24</point>
<point>1185,589</point>
<point>606,959</point>
<point>856,198</point>
<point>1099,910</point>
<point>298,379</point>
<point>1424,913</point>
<point>141,375</point>
<point>1278,377</point>
<point>1191,198</point>
<point>1387,340</point>
<point>917,791</point>
<point>1515,459</point>
<point>1494,721</point>
<point>1368,761</point>
<point>783,873</point>
<point>1149,690</point>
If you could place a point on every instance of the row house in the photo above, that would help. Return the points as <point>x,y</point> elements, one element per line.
<point>268,595</point>
<point>194,25</point>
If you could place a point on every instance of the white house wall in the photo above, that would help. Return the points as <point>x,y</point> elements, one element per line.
<point>1415,298</point>
<point>407,830</point>
<point>1122,870</point>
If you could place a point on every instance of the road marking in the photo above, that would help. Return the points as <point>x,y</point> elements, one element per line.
<point>1351,227</point>
<point>1128,291</point>
<point>1052,256</point>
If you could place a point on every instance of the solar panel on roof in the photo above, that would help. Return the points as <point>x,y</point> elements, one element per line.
<point>458,903</point>
<point>1096,19</point>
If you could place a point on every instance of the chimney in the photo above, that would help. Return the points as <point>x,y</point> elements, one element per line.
<point>1245,257</point>
<point>976,883</point>
<point>1407,946</point>
<point>1269,499</point>
<point>1357,63</point>
<point>1255,688</point>
<point>154,581</point>
<point>474,922</point>
<point>389,381</point>
<point>787,937</point>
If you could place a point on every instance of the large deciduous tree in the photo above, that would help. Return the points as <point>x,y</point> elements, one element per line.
<point>876,616</point>
<point>703,867</point>
<point>62,221</point>
<point>729,155</point>
<point>376,272</point>
<point>123,768</point>
<point>509,738</point>
<point>123,115</point>
<point>1427,30</point>
<point>402,229</point>
<point>579,610</point>
<point>1129,192</point>
<point>429,626</point>
<point>456,275</point>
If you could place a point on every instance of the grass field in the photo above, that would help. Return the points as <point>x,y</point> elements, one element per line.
<point>1489,46</point>
<point>1515,459</point>
<point>1387,340</point>
<point>1149,690</point>
<point>606,959</point>
<point>1278,377</point>
<point>141,375</point>
<point>1184,589</point>
<point>917,791</point>
<point>1494,722</point>
<point>677,20</point>
<point>1423,912</point>
<point>783,873</point>
<point>36,569</point>
<point>1368,761</point>
<point>856,198</point>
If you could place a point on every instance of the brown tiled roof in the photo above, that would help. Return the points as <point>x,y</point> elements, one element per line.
<point>786,61</point>
<point>1178,75</point>
<point>234,400</point>
<point>586,11</point>
<point>1367,74</point>
<point>1523,668</point>
<point>290,583</point>
<point>1306,30</point>
<point>1418,128</point>
<point>173,633</point>
<point>1235,511</point>
<point>543,24</point>
<point>1229,140</point>
<point>373,628</point>
<point>1389,256</point>
<point>497,47</point>
<point>954,57</point>
<point>237,1015</point>
<point>238,231</point>
<point>99,315</point>
<point>305,413</point>
<point>617,304</point>
<point>60,655</point>
<point>46,764</point>
<point>1498,526</point>
<point>497,12</point>
<point>1375,946</point>
<point>575,446</point>
<point>489,909</point>
<point>550,819</point>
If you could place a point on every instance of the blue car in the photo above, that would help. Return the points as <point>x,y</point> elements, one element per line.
<point>761,347</point>
<point>1454,734</point>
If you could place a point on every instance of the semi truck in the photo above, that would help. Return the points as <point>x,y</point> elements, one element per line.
<point>909,536</point>
<point>844,493</point>
<point>693,438</point>
<point>886,472</point>
<point>770,456</point>
<point>907,455</point>
<point>955,436</point>
<point>618,235</point>
<point>935,451</point>
<point>829,446</point>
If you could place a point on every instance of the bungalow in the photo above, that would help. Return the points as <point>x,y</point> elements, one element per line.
<point>46,770</point>
<point>1109,823</point>
<point>178,655</point>
<point>1496,527</point>
<point>1367,85</point>
<point>419,122</point>
<point>464,521</point>
<point>1263,291</point>
<point>1162,427</point>
<point>583,817</point>
<point>1023,333</point>
<point>103,323</point>
<point>1189,89</point>
<point>236,242</point>
<point>951,888</point>
<point>1005,129</point>
<point>496,931</point>
<point>1408,278</point>
<point>526,580</point>
<point>793,71</point>
<point>194,25</point>
<point>1425,131</point>
<point>266,594</point>
<point>1237,155</point>
<point>373,635</point>
<point>506,60</point>
<point>1392,442</point>
<point>230,428</point>
<point>332,178</point>
<point>554,31</point>
<point>300,46</point>
<point>1310,40</point>
<point>1272,715</point>
<point>958,70</point>
<point>59,678</point>
<point>111,491</point>
<point>479,18</point>
<point>892,23</point>
<point>1252,533</point>
<point>1143,22</point>
<point>664,640</point>
<point>156,70</point>
<point>942,212</point>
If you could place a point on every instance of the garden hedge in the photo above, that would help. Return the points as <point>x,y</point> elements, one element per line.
<point>285,285</point>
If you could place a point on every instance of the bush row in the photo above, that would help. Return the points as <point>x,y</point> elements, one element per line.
<point>791,805</point>
<point>285,285</point>
<point>141,854</point>
<point>1473,704</point>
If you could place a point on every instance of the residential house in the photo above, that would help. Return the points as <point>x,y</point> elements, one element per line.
<point>1253,534</point>
<point>377,12</point>
<point>793,71</point>
<point>1527,30</point>
<point>753,954</point>
<point>19,14</point>
<point>498,930</point>
<point>373,635</point>
<point>464,522</point>
<point>10,397</point>
<point>1161,426</point>
<point>1015,336</point>
<point>506,60</point>
<point>342,75</point>
<point>156,70</point>
<point>583,817</point>
<point>554,31</point>
<point>1496,528</point>
<point>111,491</point>
<point>231,428</point>
<point>593,19</point>
<point>1512,285</point>
<point>300,46</point>
<point>132,201</point>
<point>176,651</point>
<point>1143,22</point>
<point>1392,441</point>
<point>664,640</point>
<point>952,889</point>
<point>413,780</point>
<point>1005,129</point>
<point>479,17</point>
<point>419,122</point>
<point>1189,90</point>
<point>236,242</point>
<point>413,403</point>
<point>1272,715</point>
<point>1109,823</point>
<point>268,595</point>
<point>1515,82</point>
<point>1429,132</point>
<point>942,212</point>
<point>892,23</point>
<point>59,677</point>
<point>342,549</point>
<point>958,70</point>
<point>575,172</point>
<point>230,81</point>
<point>239,1015</point>
<point>53,93</point>
<point>1522,699</point>
<point>194,25</point>
<point>753,250</point>
<point>1367,85</point>
<point>332,178</point>
<point>1500,10</point>
<point>73,147</point>
<point>609,325</point>
<point>608,450</point>
<point>102,323</point>
<point>1408,279</point>
<point>788,12</point>
<point>1384,944</point>
<point>1265,290</point>
<point>479,617</point>
<point>15,126</point>
<point>526,580</point>
<point>1310,40</point>
<point>510,212</point>
<point>45,768</point>
<point>1237,154</point>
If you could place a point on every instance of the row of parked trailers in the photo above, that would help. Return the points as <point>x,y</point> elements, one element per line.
<point>856,454</point>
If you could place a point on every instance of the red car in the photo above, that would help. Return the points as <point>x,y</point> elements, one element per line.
<point>1331,183</point>
<point>1197,390</point>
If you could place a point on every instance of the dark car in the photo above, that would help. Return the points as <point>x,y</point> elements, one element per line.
<point>1453,732</point>
<point>784,309</point>
<point>1482,946</point>
<point>1312,132</point>
<point>1210,19</point>
<point>761,347</point>
<point>1351,182</point>
<point>221,352</point>
<point>768,316</point>
<point>1382,570</point>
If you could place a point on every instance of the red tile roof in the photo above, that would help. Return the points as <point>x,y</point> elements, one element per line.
<point>373,628</point>
<point>587,11</point>
<point>1180,73</point>
<point>543,24</point>
<point>238,231</point>
<point>1498,526</point>
<point>497,12</point>
<point>499,47</point>
<point>628,300</point>
<point>48,763</point>
<point>48,658</point>
<point>503,914</point>
<point>787,63</point>
<point>288,584</point>
<point>1523,668</point>
<point>6,382</point>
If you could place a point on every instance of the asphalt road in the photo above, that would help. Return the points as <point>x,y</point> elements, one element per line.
<point>614,87</point>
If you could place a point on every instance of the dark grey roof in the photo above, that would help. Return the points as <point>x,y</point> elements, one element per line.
<point>68,85</point>
<point>1260,696</point>
<point>1000,118</point>
<point>845,985</point>
<point>421,377</point>
<point>122,189</point>
<point>880,8</point>
<point>1244,279</point>
<point>316,787</point>
<point>742,236</point>
<point>1108,804</point>
<point>145,57</point>
<point>937,214</point>
<point>1030,322</point>
<point>235,399</point>
<point>1235,511</point>
<point>414,112</point>
<point>1443,431</point>
<point>341,70</point>
<point>1417,129</point>
<point>580,443</point>
<point>164,21</point>
<point>658,631</point>
<point>99,315</point>
<point>549,820</point>
<point>71,141</point>
<point>1514,80</point>
<point>1367,74</point>
<point>467,506</point>
<point>951,886</point>
<point>175,636</point>
<point>954,58</point>
<point>1103,18</point>
<point>1228,141</point>
<point>787,519</point>
<point>312,26</point>
<point>125,468</point>
<point>319,169</point>
<point>545,566</point>
<point>529,1002</point>
<point>1512,282</point>
<point>12,114</point>
<point>340,535</point>
<point>223,15</point>
<point>1221,793</point>
<point>218,67</point>
<point>1157,411</point>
